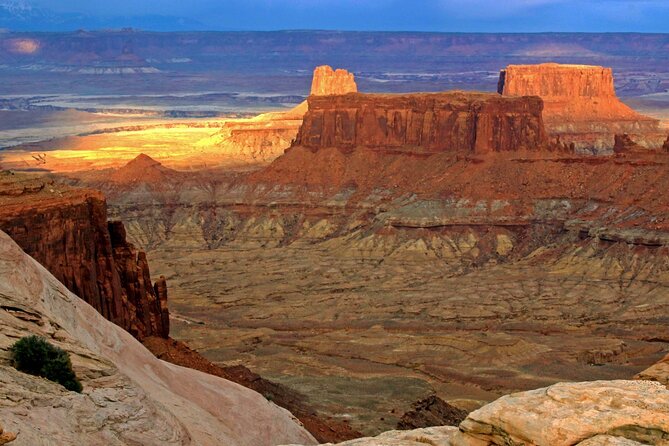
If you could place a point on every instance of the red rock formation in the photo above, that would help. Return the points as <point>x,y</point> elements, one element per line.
<point>142,169</point>
<point>66,230</point>
<point>423,123</point>
<point>665,146</point>
<point>327,81</point>
<point>265,137</point>
<point>580,102</point>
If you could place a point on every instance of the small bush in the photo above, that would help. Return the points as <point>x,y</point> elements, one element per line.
<point>36,356</point>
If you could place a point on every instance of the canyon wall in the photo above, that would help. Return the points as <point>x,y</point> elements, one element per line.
<point>580,104</point>
<point>66,230</point>
<point>423,123</point>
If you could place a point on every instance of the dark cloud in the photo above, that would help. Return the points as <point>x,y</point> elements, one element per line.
<point>419,15</point>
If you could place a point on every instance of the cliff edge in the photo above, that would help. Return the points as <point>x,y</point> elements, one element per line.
<point>67,231</point>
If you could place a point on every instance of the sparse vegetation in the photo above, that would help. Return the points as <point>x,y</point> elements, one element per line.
<point>36,356</point>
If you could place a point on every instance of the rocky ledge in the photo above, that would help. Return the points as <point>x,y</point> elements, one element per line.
<point>565,414</point>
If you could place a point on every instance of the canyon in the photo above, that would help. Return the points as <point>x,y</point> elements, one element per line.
<point>372,265</point>
<point>382,249</point>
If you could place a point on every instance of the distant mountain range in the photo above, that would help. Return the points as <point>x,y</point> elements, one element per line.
<point>21,15</point>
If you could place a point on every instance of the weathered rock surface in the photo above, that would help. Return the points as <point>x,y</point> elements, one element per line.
<point>568,413</point>
<point>323,429</point>
<point>431,411</point>
<point>423,123</point>
<point>6,437</point>
<point>129,396</point>
<point>327,81</point>
<point>66,230</point>
<point>432,436</point>
<point>599,413</point>
<point>658,372</point>
<point>580,104</point>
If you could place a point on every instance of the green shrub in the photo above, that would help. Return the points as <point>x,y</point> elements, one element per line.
<point>36,356</point>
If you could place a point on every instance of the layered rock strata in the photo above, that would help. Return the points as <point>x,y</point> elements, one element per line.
<point>580,104</point>
<point>423,123</point>
<point>66,230</point>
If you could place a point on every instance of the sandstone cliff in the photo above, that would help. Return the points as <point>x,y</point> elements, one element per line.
<point>129,396</point>
<point>580,103</point>
<point>66,230</point>
<point>265,137</point>
<point>423,123</point>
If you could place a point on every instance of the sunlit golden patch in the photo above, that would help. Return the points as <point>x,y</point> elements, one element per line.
<point>23,46</point>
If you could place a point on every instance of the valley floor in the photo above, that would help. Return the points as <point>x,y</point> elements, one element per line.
<point>366,326</point>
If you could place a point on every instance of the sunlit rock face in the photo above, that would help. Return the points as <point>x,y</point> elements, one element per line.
<point>265,137</point>
<point>580,104</point>
<point>327,81</point>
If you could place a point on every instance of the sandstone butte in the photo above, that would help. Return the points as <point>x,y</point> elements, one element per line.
<point>580,103</point>
<point>266,136</point>
<point>129,396</point>
<point>67,231</point>
<point>423,123</point>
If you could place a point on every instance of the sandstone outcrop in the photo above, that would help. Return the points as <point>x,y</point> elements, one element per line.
<point>580,104</point>
<point>66,230</point>
<point>263,138</point>
<point>129,396</point>
<point>327,81</point>
<point>599,413</point>
<point>658,372</point>
<point>142,169</point>
<point>431,411</point>
<point>569,413</point>
<point>6,437</point>
<point>423,123</point>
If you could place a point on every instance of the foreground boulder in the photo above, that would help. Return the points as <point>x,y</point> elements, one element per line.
<point>598,413</point>
<point>129,396</point>
<point>658,372</point>
<point>569,413</point>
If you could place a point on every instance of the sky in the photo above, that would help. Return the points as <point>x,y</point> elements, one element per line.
<point>377,15</point>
